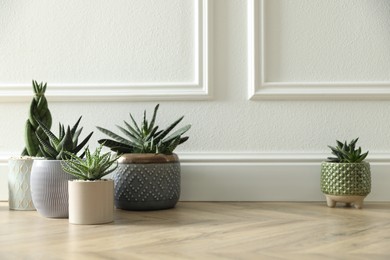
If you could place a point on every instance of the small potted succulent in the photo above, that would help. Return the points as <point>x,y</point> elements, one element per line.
<point>148,173</point>
<point>20,167</point>
<point>346,177</point>
<point>49,183</point>
<point>91,198</point>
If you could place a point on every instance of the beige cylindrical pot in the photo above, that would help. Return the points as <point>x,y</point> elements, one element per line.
<point>91,202</point>
<point>19,192</point>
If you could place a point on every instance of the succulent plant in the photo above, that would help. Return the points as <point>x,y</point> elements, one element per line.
<point>67,141</point>
<point>93,167</point>
<point>347,153</point>
<point>145,138</point>
<point>38,111</point>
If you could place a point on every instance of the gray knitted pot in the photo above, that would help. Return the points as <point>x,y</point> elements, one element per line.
<point>147,182</point>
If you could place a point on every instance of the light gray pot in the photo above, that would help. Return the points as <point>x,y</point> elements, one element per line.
<point>19,192</point>
<point>49,188</point>
<point>147,182</point>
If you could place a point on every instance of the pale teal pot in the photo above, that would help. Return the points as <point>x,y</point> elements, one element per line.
<point>49,188</point>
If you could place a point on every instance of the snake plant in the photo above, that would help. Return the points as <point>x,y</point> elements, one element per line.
<point>93,167</point>
<point>67,141</point>
<point>38,111</point>
<point>347,152</point>
<point>145,137</point>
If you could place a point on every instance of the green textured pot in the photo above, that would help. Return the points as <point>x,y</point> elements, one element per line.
<point>349,183</point>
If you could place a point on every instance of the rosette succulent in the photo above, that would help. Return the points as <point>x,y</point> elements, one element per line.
<point>58,148</point>
<point>347,152</point>
<point>145,137</point>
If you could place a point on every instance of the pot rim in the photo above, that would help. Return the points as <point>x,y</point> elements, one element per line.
<point>91,181</point>
<point>145,158</point>
<point>364,162</point>
<point>26,158</point>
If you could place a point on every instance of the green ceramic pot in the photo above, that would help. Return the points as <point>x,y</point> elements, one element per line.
<point>345,182</point>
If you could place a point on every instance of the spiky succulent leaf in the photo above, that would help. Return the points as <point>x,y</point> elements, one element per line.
<point>117,146</point>
<point>168,129</point>
<point>145,137</point>
<point>67,141</point>
<point>114,136</point>
<point>183,139</point>
<point>38,110</point>
<point>347,152</point>
<point>131,137</point>
<point>82,144</point>
<point>49,134</point>
<point>135,124</point>
<point>178,133</point>
<point>152,122</point>
<point>93,167</point>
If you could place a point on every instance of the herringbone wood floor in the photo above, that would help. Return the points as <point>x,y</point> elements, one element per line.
<point>247,230</point>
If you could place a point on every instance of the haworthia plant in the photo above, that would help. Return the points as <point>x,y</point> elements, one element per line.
<point>347,152</point>
<point>93,167</point>
<point>56,148</point>
<point>38,111</point>
<point>145,137</point>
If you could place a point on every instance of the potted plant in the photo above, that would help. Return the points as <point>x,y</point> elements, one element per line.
<point>148,173</point>
<point>346,177</point>
<point>91,198</point>
<point>20,167</point>
<point>49,183</point>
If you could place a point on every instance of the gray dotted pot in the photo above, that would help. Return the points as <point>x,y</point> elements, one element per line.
<point>49,188</point>
<point>147,182</point>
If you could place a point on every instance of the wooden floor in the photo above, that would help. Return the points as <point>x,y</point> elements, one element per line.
<point>205,231</point>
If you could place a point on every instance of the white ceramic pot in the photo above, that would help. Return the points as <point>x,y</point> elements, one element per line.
<point>91,202</point>
<point>19,192</point>
<point>49,188</point>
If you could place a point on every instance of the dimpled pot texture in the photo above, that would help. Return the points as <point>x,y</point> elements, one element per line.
<point>49,188</point>
<point>147,182</point>
<point>345,182</point>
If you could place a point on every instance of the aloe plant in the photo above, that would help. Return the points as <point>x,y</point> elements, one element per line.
<point>145,137</point>
<point>38,111</point>
<point>347,152</point>
<point>67,141</point>
<point>93,167</point>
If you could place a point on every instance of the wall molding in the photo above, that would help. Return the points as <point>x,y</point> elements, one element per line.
<point>255,176</point>
<point>239,158</point>
<point>259,89</point>
<point>198,90</point>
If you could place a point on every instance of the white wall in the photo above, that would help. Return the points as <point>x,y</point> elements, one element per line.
<point>267,85</point>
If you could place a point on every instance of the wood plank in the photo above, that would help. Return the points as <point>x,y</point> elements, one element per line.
<point>205,230</point>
